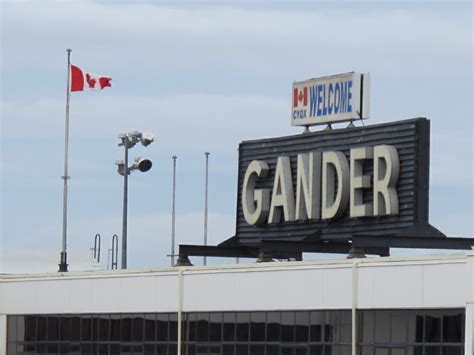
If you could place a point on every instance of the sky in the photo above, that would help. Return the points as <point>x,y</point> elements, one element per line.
<point>204,76</point>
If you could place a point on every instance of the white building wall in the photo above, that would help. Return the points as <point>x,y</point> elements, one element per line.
<point>425,282</point>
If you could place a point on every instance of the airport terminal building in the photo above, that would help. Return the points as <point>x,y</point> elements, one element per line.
<point>357,191</point>
<point>399,305</point>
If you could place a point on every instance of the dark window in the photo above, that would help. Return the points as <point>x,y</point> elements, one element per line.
<point>53,328</point>
<point>65,329</point>
<point>215,327</point>
<point>243,320</point>
<point>452,350</point>
<point>202,327</point>
<point>30,329</point>
<point>150,327</point>
<point>86,328</point>
<point>453,328</point>
<point>229,326</point>
<point>191,327</point>
<point>115,320</point>
<point>316,350</point>
<point>227,349</point>
<point>173,327</point>
<point>162,327</point>
<point>432,328</point>
<point>317,324</point>
<point>302,326</point>
<point>137,328</point>
<point>331,325</point>
<point>42,330</point>
<point>126,328</point>
<point>103,325</point>
<point>257,327</point>
<point>273,326</point>
<point>287,326</point>
<point>257,349</point>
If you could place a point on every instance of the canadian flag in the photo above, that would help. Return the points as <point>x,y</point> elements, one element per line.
<point>300,96</point>
<point>80,80</point>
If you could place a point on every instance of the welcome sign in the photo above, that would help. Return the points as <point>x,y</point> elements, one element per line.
<point>342,97</point>
<point>371,179</point>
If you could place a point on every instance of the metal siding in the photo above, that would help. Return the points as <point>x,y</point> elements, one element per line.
<point>410,137</point>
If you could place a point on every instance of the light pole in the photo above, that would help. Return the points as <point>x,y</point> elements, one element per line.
<point>128,141</point>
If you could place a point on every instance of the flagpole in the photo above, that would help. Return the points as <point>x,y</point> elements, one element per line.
<point>63,263</point>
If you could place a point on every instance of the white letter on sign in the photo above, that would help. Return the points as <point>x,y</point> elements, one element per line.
<point>255,202</point>
<point>334,167</point>
<point>308,186</point>
<point>386,172</point>
<point>359,181</point>
<point>282,196</point>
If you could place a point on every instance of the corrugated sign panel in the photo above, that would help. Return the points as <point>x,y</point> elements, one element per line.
<point>409,137</point>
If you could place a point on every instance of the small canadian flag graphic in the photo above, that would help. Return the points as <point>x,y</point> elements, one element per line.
<point>300,96</point>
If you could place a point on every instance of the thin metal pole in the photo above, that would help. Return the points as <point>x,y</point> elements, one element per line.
<point>63,256</point>
<point>173,220</point>
<point>205,203</point>
<point>125,203</point>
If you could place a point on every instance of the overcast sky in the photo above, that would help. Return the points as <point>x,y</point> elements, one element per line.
<point>204,76</point>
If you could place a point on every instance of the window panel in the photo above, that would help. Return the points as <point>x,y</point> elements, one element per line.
<point>12,328</point>
<point>345,326</point>
<point>452,350</point>
<point>137,328</point>
<point>257,349</point>
<point>415,326</point>
<point>302,326</point>
<point>399,327</point>
<point>191,327</point>
<point>273,326</point>
<point>316,350</point>
<point>150,327</point>
<point>382,327</point>
<point>215,327</point>
<point>227,349</point>
<point>301,351</point>
<point>30,329</point>
<point>86,328</point>
<point>367,333</point>
<point>162,327</point>
<point>115,320</point>
<point>53,328</point>
<point>241,349</point>
<point>272,349</point>
<point>126,328</point>
<point>173,327</point>
<point>366,350</point>
<point>161,349</point>
<point>432,350</point>
<point>316,327</point>
<point>257,327</point>
<point>103,331</point>
<point>202,321</point>
<point>453,328</point>
<point>229,326</point>
<point>65,328</point>
<point>432,328</point>
<point>287,326</point>
<point>102,349</point>
<point>42,330</point>
<point>331,350</point>
<point>243,320</point>
<point>330,326</point>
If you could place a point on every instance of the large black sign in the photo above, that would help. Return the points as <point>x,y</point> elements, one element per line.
<point>332,194</point>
